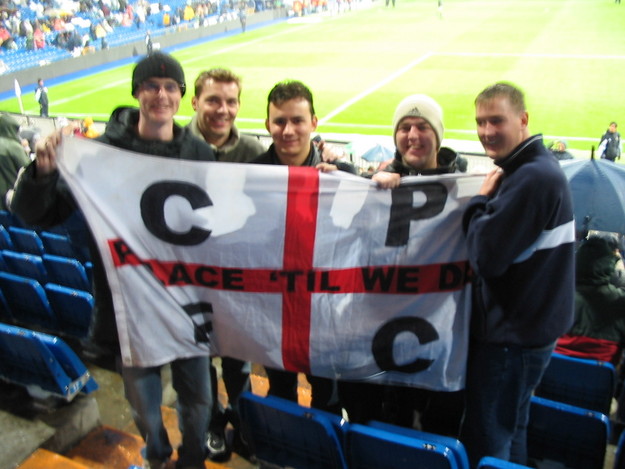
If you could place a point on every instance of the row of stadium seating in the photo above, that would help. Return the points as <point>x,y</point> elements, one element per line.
<point>283,434</point>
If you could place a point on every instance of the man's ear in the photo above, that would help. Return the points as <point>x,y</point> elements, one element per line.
<point>194,103</point>
<point>315,121</point>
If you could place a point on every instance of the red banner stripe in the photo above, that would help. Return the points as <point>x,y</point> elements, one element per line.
<point>299,251</point>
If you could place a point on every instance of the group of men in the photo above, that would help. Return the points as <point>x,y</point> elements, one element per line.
<point>519,231</point>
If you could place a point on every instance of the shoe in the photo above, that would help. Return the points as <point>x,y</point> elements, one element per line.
<point>154,464</point>
<point>217,450</point>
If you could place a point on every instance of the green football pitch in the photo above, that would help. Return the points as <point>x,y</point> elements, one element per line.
<point>567,55</point>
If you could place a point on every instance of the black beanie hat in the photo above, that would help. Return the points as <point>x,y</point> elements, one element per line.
<point>158,65</point>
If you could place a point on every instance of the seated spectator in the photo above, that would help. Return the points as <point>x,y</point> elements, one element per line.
<point>599,328</point>
<point>6,40</point>
<point>39,39</point>
<point>558,148</point>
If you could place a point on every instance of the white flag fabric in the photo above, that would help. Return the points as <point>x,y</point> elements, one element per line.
<point>288,267</point>
<point>18,88</point>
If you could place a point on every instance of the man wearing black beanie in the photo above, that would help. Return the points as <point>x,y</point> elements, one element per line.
<point>41,198</point>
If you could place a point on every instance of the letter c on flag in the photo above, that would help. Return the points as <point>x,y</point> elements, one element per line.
<point>153,211</point>
<point>382,346</point>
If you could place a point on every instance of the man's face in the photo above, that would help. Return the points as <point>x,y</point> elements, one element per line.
<point>416,142</point>
<point>500,127</point>
<point>159,100</point>
<point>216,107</point>
<point>612,128</point>
<point>290,125</point>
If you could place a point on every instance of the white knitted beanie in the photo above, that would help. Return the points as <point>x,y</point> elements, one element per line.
<point>420,105</point>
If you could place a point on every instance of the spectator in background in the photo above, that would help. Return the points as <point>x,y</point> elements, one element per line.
<point>520,241</point>
<point>599,329</point>
<point>12,155</point>
<point>558,148</point>
<point>41,96</point>
<point>610,144</point>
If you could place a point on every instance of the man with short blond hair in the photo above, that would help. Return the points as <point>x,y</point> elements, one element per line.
<point>216,102</point>
<point>520,241</point>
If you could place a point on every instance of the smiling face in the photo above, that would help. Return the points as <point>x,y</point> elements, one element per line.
<point>500,126</point>
<point>416,141</point>
<point>290,124</point>
<point>159,100</point>
<point>217,107</point>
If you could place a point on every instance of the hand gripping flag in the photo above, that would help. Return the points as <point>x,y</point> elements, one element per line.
<point>289,267</point>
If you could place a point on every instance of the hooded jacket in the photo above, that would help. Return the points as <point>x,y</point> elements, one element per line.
<point>48,202</point>
<point>521,248</point>
<point>599,329</point>
<point>12,154</point>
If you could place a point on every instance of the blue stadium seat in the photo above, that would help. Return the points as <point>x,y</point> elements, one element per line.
<point>73,308</point>
<point>369,447</point>
<point>489,462</point>
<point>574,437</point>
<point>27,301</point>
<point>43,364</point>
<point>580,382</point>
<point>5,239</point>
<point>66,271</point>
<point>25,240</point>
<point>57,244</point>
<point>454,446</point>
<point>26,265</point>
<point>285,434</point>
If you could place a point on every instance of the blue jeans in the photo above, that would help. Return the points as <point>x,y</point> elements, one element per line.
<point>500,383</point>
<point>144,391</point>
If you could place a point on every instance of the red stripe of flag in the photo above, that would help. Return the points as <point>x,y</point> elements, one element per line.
<point>299,248</point>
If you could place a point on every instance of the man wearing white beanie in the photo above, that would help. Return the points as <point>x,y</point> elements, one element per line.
<point>418,134</point>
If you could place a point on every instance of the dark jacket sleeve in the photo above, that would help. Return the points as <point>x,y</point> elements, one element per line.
<point>43,203</point>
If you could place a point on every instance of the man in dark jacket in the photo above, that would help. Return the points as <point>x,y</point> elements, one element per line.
<point>610,143</point>
<point>291,120</point>
<point>12,154</point>
<point>42,198</point>
<point>417,132</point>
<point>520,239</point>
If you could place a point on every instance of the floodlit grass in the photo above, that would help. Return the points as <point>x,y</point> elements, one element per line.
<point>566,54</point>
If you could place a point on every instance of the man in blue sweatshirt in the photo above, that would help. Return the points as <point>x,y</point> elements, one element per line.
<point>520,238</point>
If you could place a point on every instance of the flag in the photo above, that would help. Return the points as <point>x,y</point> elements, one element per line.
<point>18,89</point>
<point>289,267</point>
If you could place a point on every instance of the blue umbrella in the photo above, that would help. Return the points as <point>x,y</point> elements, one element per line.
<point>377,154</point>
<point>598,188</point>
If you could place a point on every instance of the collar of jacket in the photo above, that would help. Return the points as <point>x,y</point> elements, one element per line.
<point>519,155</point>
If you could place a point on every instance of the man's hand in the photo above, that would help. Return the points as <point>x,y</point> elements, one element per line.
<point>386,180</point>
<point>491,182</point>
<point>326,167</point>
<point>45,151</point>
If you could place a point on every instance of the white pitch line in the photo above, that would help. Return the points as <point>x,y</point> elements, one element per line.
<point>375,87</point>
<point>536,56</point>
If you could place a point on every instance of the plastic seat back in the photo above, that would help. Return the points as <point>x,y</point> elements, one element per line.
<point>66,271</point>
<point>284,434</point>
<point>25,240</point>
<point>580,382</point>
<point>72,307</point>
<point>27,301</point>
<point>574,437</point>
